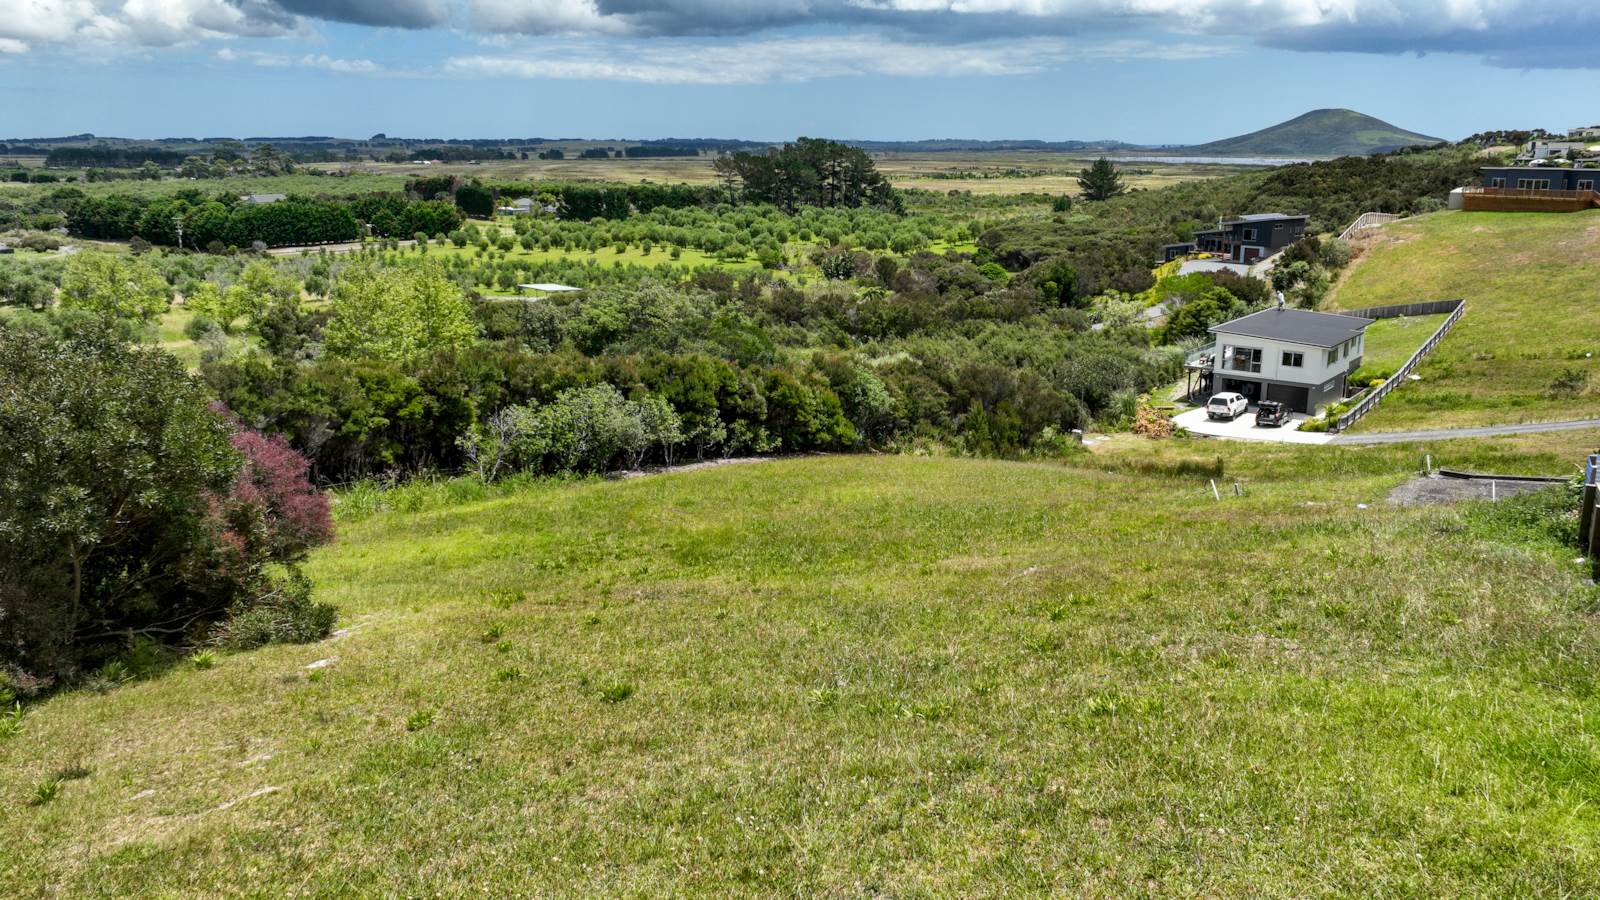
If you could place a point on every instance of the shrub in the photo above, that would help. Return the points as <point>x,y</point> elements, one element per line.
<point>130,510</point>
<point>284,615</point>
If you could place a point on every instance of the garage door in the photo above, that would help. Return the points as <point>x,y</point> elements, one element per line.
<point>1296,398</point>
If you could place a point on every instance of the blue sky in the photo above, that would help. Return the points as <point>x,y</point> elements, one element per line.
<point>1139,70</point>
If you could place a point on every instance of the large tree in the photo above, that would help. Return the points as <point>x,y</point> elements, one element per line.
<point>808,172</point>
<point>112,288</point>
<point>398,313</point>
<point>1100,181</point>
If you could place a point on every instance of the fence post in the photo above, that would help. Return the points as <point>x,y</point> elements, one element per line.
<point>1586,510</point>
<point>1593,551</point>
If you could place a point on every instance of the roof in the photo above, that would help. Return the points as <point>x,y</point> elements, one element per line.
<point>1263,217</point>
<point>1296,326</point>
<point>549,288</point>
<point>262,198</point>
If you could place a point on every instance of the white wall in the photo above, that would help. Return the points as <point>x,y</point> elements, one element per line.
<point>1316,369</point>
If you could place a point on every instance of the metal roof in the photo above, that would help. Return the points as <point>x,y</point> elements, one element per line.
<point>549,288</point>
<point>1262,217</point>
<point>1296,326</point>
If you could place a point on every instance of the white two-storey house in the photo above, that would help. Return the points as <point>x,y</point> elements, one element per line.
<point>1299,358</point>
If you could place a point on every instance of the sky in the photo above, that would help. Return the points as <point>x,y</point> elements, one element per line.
<point>1144,71</point>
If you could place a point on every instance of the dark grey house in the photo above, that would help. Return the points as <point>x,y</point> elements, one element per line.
<point>1249,238</point>
<point>1299,358</point>
<point>1541,178</point>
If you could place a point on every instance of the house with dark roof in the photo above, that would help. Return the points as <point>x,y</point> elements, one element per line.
<point>1299,358</point>
<point>1542,178</point>
<point>1249,238</point>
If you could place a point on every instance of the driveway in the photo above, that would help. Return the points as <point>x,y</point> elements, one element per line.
<point>1244,428</point>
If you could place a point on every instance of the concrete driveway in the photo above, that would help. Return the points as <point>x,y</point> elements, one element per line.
<point>1244,428</point>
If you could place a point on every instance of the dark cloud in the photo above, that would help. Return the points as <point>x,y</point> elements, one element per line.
<point>381,13</point>
<point>1510,33</point>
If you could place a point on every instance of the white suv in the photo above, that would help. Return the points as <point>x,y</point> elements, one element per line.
<point>1228,406</point>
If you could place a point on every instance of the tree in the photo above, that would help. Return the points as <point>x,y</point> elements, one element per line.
<point>1195,318</point>
<point>808,172</point>
<point>398,313</point>
<point>113,289</point>
<point>128,506</point>
<point>1100,181</point>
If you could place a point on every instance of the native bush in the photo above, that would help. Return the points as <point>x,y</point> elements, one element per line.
<point>129,507</point>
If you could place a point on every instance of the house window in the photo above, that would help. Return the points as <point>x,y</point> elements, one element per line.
<point>1249,234</point>
<point>1497,182</point>
<point>1294,360</point>
<point>1533,184</point>
<point>1344,350</point>
<point>1586,185</point>
<point>1244,359</point>
<point>1277,228</point>
<point>1333,356</point>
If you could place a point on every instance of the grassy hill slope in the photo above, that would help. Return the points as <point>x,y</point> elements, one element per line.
<point>896,675</point>
<point>1528,348</point>
<point>1321,132</point>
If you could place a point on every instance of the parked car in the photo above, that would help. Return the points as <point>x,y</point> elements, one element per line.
<point>1271,413</point>
<point>1227,405</point>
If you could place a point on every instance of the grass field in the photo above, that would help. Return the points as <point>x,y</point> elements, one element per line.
<point>873,675</point>
<point>1390,342</point>
<point>1528,347</point>
<point>993,172</point>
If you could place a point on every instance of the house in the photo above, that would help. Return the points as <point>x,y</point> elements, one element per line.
<point>1544,178</point>
<point>1249,238</point>
<point>521,206</point>
<point>1170,252</point>
<point>1546,149</point>
<point>261,198</point>
<point>5,248</point>
<point>1299,358</point>
<point>1584,133</point>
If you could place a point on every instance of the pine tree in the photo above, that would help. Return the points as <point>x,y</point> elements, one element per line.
<point>1101,181</point>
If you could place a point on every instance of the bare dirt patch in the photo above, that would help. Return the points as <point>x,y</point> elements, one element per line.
<point>1436,490</point>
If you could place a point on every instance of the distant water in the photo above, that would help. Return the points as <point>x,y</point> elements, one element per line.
<point>1214,160</point>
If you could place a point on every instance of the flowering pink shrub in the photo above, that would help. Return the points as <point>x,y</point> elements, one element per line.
<point>274,487</point>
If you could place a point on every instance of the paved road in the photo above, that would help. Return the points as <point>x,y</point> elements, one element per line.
<point>1445,434</point>
<point>331,248</point>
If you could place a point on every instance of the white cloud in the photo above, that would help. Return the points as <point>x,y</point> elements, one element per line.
<point>145,23</point>
<point>9,45</point>
<point>1523,33</point>
<point>679,61</point>
<point>307,61</point>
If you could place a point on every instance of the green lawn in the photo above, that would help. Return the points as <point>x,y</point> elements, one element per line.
<point>1390,342</point>
<point>874,675</point>
<point>1528,347</point>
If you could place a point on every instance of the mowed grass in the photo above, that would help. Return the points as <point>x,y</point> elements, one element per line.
<point>1528,347</point>
<point>1388,343</point>
<point>858,675</point>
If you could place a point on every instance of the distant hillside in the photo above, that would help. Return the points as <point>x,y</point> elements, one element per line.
<point>941,144</point>
<point>1321,132</point>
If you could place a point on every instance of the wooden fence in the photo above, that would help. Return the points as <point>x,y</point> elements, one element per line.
<point>1365,221</point>
<point>1370,402</point>
<point>1589,514</point>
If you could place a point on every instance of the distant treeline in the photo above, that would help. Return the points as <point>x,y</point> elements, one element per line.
<point>574,201</point>
<point>660,150</point>
<point>221,222</point>
<point>112,157</point>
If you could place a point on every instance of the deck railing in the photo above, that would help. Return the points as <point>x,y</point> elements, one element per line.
<point>1490,199</point>
<point>1365,221</point>
<point>1369,402</point>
